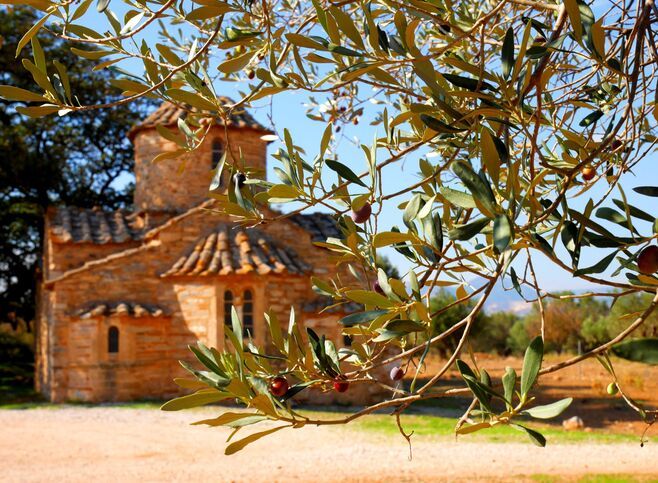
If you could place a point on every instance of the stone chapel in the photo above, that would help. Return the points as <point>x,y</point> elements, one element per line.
<point>125,292</point>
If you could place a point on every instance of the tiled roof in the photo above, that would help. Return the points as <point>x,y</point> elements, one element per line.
<point>71,224</point>
<point>80,225</point>
<point>119,308</point>
<point>320,225</point>
<point>231,250</point>
<point>168,114</point>
<point>320,304</point>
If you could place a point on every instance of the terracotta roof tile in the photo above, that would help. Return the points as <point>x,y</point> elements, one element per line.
<point>80,225</point>
<point>168,114</point>
<point>320,225</point>
<point>105,309</point>
<point>230,250</point>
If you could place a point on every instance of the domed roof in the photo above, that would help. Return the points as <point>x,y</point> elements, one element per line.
<point>168,114</point>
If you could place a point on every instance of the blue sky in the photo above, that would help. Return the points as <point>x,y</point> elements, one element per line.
<point>287,110</point>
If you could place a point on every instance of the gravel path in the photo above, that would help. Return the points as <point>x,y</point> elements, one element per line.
<point>118,444</point>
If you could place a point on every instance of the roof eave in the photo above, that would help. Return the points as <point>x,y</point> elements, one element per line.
<point>132,133</point>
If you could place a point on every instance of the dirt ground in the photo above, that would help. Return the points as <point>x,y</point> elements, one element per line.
<point>586,382</point>
<point>118,444</point>
<point>74,443</point>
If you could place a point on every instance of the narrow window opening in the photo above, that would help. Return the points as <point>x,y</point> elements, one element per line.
<point>113,340</point>
<point>248,311</point>
<point>228,305</point>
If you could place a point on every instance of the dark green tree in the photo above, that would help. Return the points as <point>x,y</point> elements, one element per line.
<point>565,319</point>
<point>81,159</point>
<point>492,335</point>
<point>622,313</point>
<point>389,268</point>
<point>448,313</point>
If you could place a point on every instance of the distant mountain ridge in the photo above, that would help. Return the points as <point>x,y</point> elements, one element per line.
<point>508,299</point>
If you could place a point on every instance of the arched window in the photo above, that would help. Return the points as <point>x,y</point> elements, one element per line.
<point>248,311</point>
<point>217,152</point>
<point>113,340</point>
<point>228,305</point>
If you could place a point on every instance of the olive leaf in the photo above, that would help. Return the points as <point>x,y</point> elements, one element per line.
<point>531,364</point>
<point>639,350</point>
<point>240,444</point>
<point>478,187</point>
<point>344,172</point>
<point>536,437</point>
<point>549,410</point>
<point>507,53</point>
<point>503,233</point>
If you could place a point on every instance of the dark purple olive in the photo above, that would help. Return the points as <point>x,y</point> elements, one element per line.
<point>340,384</point>
<point>397,373</point>
<point>647,260</point>
<point>239,179</point>
<point>614,145</point>
<point>279,386</point>
<point>362,215</point>
<point>377,287</point>
<point>540,39</point>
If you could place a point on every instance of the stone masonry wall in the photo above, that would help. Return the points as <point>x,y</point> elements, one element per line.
<point>66,256</point>
<point>178,184</point>
<point>141,369</point>
<point>75,368</point>
<point>60,257</point>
